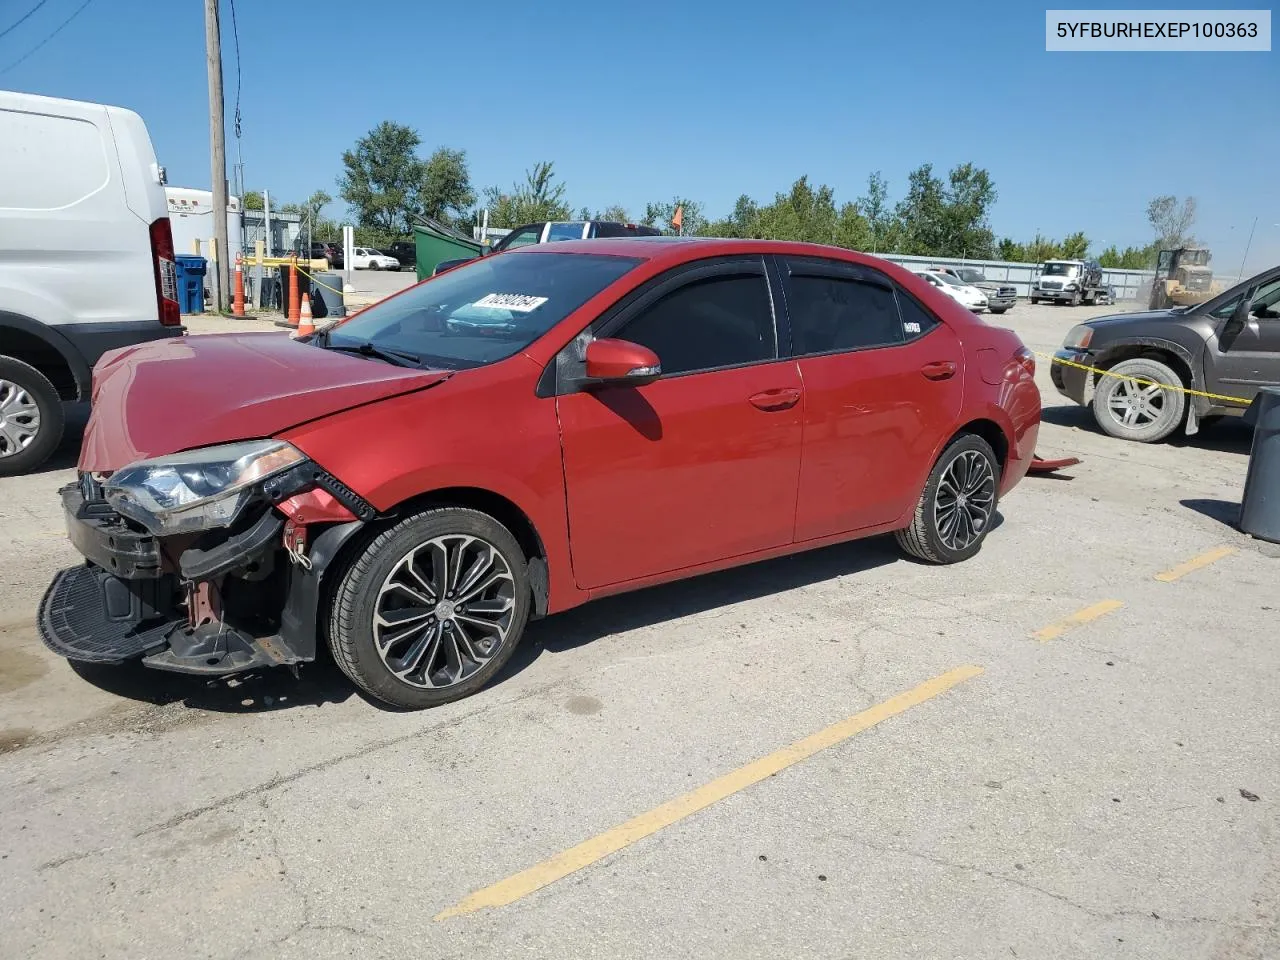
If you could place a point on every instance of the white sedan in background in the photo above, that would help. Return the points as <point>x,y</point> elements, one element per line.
<point>367,258</point>
<point>965,295</point>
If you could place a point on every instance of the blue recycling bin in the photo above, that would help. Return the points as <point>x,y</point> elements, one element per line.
<point>191,271</point>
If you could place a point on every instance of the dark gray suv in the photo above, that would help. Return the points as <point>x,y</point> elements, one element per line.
<point>1228,347</point>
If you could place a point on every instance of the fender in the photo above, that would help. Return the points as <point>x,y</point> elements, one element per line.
<point>1157,343</point>
<point>50,336</point>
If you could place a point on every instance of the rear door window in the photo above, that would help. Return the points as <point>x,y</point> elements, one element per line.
<point>833,308</point>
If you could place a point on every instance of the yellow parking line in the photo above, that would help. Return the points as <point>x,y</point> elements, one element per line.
<point>584,854</point>
<point>1055,630</point>
<point>1195,563</point>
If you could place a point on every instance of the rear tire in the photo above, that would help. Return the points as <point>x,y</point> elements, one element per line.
<point>957,506</point>
<point>31,417</point>
<point>408,623</point>
<point>1144,413</point>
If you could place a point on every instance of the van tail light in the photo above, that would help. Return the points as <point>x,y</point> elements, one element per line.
<point>166,273</point>
<point>1026,360</point>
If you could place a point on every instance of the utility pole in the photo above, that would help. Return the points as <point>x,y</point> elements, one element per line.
<point>217,146</point>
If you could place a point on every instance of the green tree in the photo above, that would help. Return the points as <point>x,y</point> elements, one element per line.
<point>584,213</point>
<point>252,200</point>
<point>540,197</point>
<point>921,214</point>
<point>1010,250</point>
<point>445,191</point>
<point>967,201</point>
<point>387,184</point>
<point>694,220</point>
<point>1172,221</point>
<point>1075,247</point>
<point>614,212</point>
<point>873,206</point>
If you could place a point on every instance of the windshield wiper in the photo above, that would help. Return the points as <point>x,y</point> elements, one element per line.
<point>399,358</point>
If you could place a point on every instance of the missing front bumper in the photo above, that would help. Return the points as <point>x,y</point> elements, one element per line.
<point>90,616</point>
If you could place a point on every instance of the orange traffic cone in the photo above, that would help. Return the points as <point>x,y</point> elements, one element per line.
<point>305,326</point>
<point>293,292</point>
<point>237,302</point>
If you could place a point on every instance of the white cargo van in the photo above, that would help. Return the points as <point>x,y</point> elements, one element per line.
<point>86,259</point>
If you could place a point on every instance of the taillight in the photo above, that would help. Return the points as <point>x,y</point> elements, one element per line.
<point>166,273</point>
<point>1026,360</point>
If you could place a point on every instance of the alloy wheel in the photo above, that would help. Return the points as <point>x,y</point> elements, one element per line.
<point>444,611</point>
<point>19,418</point>
<point>965,500</point>
<point>1134,404</point>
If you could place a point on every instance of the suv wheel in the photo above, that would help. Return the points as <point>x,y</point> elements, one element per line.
<point>1140,409</point>
<point>958,505</point>
<point>31,417</point>
<point>431,609</point>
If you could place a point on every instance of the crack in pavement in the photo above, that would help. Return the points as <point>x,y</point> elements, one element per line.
<point>369,748</point>
<point>1091,911</point>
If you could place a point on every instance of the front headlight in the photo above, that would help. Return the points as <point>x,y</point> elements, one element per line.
<point>197,490</point>
<point>1078,337</point>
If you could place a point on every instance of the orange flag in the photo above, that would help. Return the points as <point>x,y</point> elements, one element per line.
<point>677,220</point>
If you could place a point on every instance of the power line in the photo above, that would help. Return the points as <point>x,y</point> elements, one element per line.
<point>8,30</point>
<point>61,27</point>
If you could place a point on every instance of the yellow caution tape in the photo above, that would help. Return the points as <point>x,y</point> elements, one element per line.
<point>1142,381</point>
<point>320,282</point>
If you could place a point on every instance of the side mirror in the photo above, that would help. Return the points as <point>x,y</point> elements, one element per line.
<point>612,361</point>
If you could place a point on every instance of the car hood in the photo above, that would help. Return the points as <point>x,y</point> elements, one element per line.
<point>1144,316</point>
<point>195,391</point>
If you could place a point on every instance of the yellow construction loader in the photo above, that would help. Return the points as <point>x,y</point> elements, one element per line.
<point>1183,278</point>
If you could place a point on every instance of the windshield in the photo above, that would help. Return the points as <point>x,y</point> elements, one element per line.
<point>1061,269</point>
<point>971,276</point>
<point>950,280</point>
<point>482,311</point>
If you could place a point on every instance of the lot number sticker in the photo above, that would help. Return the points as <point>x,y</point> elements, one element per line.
<point>520,303</point>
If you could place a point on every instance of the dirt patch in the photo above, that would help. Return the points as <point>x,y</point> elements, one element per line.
<point>19,668</point>
<point>15,738</point>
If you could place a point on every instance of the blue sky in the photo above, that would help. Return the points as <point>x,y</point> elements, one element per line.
<point>707,99</point>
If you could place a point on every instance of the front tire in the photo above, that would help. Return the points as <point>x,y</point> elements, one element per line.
<point>31,417</point>
<point>958,504</point>
<point>431,609</point>
<point>1142,412</point>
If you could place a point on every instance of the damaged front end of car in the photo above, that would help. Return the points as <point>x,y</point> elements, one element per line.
<point>205,562</point>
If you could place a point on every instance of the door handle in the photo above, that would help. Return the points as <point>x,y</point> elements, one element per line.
<point>939,370</point>
<point>782,398</point>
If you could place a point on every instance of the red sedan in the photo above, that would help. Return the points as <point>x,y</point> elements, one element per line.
<point>518,436</point>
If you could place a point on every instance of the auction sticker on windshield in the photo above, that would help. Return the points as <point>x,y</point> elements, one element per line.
<point>520,303</point>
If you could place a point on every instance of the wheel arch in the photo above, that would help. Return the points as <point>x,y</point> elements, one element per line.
<point>506,512</point>
<point>989,431</point>
<point>1173,355</point>
<point>42,347</point>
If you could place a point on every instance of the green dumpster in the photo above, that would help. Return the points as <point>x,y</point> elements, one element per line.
<point>435,242</point>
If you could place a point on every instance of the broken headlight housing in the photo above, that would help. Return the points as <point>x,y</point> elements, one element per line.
<point>199,489</point>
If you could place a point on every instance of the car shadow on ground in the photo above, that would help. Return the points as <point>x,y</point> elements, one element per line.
<point>1229,435</point>
<point>657,605</point>
<point>256,692</point>
<point>322,682</point>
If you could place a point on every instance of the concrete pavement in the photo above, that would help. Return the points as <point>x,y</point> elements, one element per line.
<point>1087,795</point>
